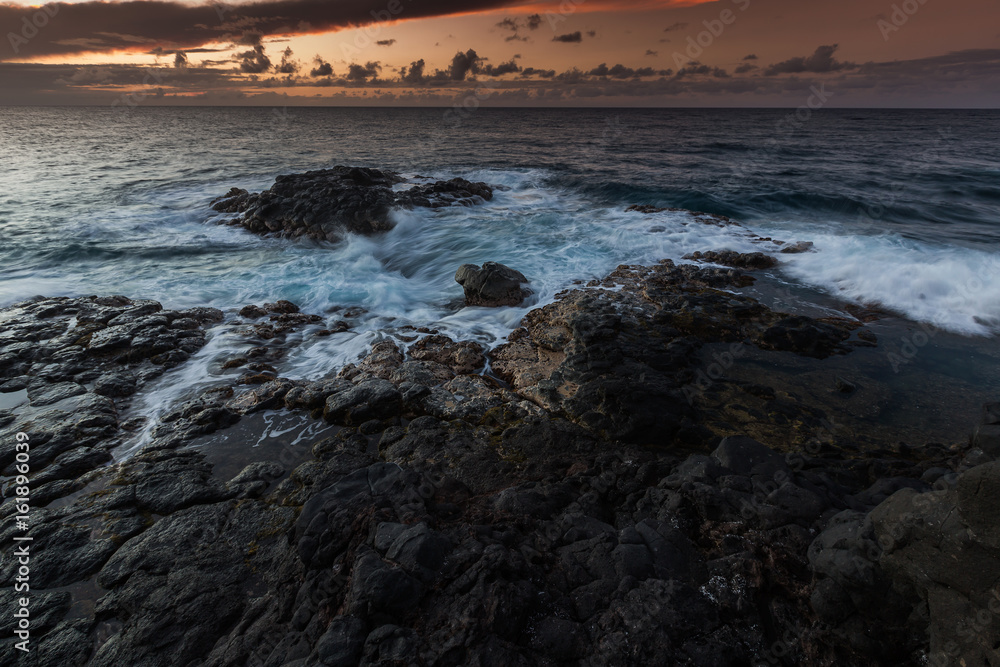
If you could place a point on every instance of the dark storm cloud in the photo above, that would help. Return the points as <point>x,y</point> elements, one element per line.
<point>821,61</point>
<point>322,68</point>
<point>571,38</point>
<point>108,26</point>
<point>180,60</point>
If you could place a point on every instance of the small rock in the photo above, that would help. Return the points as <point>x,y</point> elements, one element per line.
<point>492,285</point>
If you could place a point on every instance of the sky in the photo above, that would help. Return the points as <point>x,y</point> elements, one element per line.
<point>639,53</point>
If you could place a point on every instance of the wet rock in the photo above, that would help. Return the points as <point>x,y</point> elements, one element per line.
<point>329,203</point>
<point>461,357</point>
<point>492,285</point>
<point>456,191</point>
<point>799,247</point>
<point>116,384</point>
<point>343,642</point>
<point>370,399</point>
<point>252,312</point>
<point>420,550</point>
<point>751,260</point>
<point>806,336</point>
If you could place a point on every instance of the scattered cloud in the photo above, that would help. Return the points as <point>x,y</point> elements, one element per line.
<point>322,68</point>
<point>287,65</point>
<point>385,42</point>
<point>462,64</point>
<point>570,38</point>
<point>362,73</point>
<point>254,61</point>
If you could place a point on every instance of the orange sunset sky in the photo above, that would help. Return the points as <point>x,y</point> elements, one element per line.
<point>434,52</point>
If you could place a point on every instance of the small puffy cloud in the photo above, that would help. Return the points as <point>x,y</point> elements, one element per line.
<point>570,38</point>
<point>254,61</point>
<point>509,67</point>
<point>752,56</point>
<point>414,73</point>
<point>322,68</point>
<point>651,52</point>
<point>622,72</point>
<point>745,68</point>
<point>695,68</point>
<point>361,73</point>
<point>675,27</point>
<point>463,64</point>
<point>287,65</point>
<point>540,73</point>
<point>386,42</point>
<point>534,21</point>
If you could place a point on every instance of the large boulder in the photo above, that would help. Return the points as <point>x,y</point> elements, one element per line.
<point>328,203</point>
<point>492,284</point>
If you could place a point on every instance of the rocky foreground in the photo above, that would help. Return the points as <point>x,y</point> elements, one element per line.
<point>577,495</point>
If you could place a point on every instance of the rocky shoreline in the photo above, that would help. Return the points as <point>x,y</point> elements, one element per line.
<point>592,491</point>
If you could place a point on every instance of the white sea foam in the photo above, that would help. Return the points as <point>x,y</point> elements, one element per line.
<point>956,289</point>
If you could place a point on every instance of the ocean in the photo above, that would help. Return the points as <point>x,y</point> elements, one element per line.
<point>903,207</point>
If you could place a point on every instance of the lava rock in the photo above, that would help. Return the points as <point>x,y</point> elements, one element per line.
<point>492,285</point>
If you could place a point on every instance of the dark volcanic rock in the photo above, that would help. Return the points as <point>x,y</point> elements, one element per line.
<point>492,284</point>
<point>328,203</point>
<point>619,357</point>
<point>81,360</point>
<point>739,260</point>
<point>449,518</point>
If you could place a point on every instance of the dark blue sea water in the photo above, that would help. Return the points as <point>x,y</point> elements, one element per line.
<point>903,208</point>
